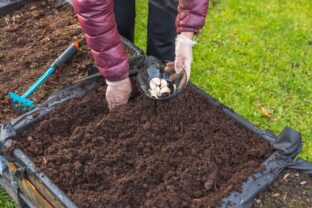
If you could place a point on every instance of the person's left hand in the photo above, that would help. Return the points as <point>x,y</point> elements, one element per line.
<point>184,53</point>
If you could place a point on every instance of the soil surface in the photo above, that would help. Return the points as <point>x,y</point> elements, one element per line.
<point>178,153</point>
<point>30,39</point>
<point>292,189</point>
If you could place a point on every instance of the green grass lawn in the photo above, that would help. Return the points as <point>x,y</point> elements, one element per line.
<point>5,200</point>
<point>255,57</point>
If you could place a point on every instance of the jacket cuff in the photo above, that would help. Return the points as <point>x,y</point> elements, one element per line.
<point>187,21</point>
<point>114,78</point>
<point>115,73</point>
<point>116,83</point>
<point>185,40</point>
<point>187,29</point>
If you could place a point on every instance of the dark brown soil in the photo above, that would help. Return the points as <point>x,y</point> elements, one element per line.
<point>178,153</point>
<point>292,189</point>
<point>30,39</point>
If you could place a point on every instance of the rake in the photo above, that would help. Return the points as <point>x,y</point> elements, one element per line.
<point>23,100</point>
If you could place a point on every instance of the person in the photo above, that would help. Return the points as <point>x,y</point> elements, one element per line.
<point>170,36</point>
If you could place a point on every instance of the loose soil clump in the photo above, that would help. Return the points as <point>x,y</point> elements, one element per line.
<point>183,152</point>
<point>291,189</point>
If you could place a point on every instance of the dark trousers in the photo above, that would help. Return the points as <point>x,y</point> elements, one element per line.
<point>161,25</point>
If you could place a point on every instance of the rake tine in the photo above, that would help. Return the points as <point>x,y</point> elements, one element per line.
<point>19,107</point>
<point>13,104</point>
<point>22,107</point>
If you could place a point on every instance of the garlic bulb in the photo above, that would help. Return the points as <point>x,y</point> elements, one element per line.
<point>157,90</point>
<point>163,83</point>
<point>165,91</point>
<point>152,85</point>
<point>156,81</point>
<point>153,93</point>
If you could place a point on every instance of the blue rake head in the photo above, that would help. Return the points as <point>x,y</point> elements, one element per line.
<point>21,102</point>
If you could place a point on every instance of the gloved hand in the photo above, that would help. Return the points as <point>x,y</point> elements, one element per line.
<point>118,93</point>
<point>184,54</point>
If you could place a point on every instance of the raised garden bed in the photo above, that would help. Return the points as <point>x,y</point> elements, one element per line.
<point>188,151</point>
<point>181,153</point>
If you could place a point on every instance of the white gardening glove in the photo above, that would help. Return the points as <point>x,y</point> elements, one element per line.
<point>184,55</point>
<point>118,93</point>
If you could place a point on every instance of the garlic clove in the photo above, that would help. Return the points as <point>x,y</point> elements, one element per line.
<point>152,85</point>
<point>163,83</point>
<point>153,93</point>
<point>156,81</point>
<point>165,91</point>
<point>157,90</point>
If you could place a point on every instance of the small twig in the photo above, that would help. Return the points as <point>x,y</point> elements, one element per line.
<point>98,124</point>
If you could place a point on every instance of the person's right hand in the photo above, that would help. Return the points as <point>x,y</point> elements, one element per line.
<point>118,93</point>
<point>184,53</point>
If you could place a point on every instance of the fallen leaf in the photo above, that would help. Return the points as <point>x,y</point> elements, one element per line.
<point>36,13</point>
<point>265,113</point>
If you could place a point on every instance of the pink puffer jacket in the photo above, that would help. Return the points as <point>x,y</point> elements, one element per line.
<point>97,21</point>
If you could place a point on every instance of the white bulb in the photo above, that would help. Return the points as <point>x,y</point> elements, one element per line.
<point>163,83</point>
<point>153,93</point>
<point>165,90</point>
<point>157,90</point>
<point>152,85</point>
<point>156,81</point>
